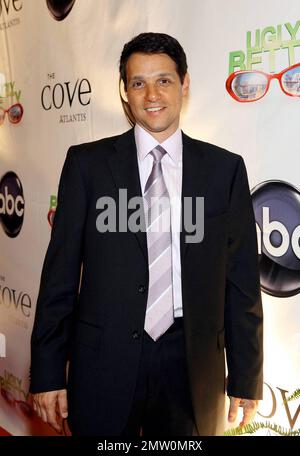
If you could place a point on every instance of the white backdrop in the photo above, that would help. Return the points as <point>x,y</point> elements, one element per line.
<point>76,59</point>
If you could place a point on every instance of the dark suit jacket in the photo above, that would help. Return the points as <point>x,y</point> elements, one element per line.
<point>99,330</point>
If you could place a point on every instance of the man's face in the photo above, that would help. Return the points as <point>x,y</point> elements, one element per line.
<point>155,93</point>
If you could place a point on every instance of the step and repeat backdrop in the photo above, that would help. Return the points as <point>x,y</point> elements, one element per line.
<point>59,86</point>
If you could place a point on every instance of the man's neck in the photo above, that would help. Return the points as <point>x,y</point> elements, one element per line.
<point>160,136</point>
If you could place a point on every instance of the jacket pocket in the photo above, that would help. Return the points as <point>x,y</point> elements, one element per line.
<point>88,334</point>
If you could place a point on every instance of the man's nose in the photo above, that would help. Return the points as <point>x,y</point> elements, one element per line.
<point>152,93</point>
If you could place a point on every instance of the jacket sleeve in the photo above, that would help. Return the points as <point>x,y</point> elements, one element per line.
<point>243,307</point>
<point>59,285</point>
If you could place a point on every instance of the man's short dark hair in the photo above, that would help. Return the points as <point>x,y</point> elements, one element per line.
<point>154,43</point>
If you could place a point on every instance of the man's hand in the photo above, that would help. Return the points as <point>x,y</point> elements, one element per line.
<point>51,406</point>
<point>249,406</point>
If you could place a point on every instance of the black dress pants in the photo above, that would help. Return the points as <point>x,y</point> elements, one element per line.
<point>162,402</point>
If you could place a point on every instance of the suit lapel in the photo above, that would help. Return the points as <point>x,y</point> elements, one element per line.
<point>124,168</point>
<point>195,174</point>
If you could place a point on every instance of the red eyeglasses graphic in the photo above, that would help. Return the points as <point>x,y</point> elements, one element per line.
<point>14,113</point>
<point>246,86</point>
<point>50,216</point>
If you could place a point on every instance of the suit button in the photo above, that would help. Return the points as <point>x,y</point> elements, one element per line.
<point>142,289</point>
<point>136,335</point>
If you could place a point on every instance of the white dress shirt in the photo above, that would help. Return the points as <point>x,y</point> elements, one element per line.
<point>172,172</point>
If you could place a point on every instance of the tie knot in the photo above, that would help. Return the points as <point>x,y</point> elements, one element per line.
<point>158,152</point>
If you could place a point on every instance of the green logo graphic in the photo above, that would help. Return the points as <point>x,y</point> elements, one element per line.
<point>263,45</point>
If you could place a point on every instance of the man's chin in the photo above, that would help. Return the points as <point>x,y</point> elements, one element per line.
<point>156,128</point>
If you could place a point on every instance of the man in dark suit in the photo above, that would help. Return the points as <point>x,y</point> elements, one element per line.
<point>142,317</point>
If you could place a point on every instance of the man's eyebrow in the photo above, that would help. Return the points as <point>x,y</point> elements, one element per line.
<point>163,75</point>
<point>160,75</point>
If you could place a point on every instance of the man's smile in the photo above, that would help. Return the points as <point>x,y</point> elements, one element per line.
<point>155,111</point>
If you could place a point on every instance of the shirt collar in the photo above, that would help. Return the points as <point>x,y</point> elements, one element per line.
<point>145,143</point>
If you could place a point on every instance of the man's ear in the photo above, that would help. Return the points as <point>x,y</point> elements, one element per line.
<point>125,104</point>
<point>123,91</point>
<point>186,84</point>
<point>124,95</point>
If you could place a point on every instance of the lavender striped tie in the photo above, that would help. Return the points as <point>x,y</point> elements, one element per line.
<point>159,313</point>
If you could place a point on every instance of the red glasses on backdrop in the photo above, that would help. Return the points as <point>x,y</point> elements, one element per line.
<point>250,85</point>
<point>14,113</point>
<point>50,216</point>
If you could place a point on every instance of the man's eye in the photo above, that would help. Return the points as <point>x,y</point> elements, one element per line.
<point>137,84</point>
<point>164,81</point>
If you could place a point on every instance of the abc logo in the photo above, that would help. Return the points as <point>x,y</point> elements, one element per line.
<point>59,9</point>
<point>277,212</point>
<point>11,204</point>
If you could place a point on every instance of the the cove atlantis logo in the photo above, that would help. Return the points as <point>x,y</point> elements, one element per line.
<point>15,305</point>
<point>251,71</point>
<point>276,401</point>
<point>64,97</point>
<point>17,301</point>
<point>59,9</point>
<point>8,13</point>
<point>277,212</point>
<point>280,412</point>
